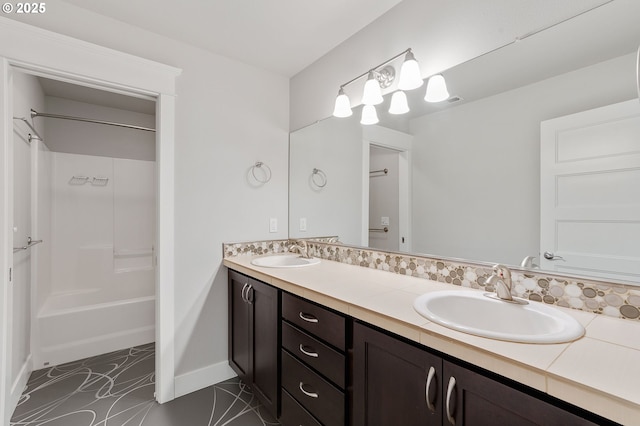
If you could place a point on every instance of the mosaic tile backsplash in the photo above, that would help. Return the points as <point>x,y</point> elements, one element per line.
<point>615,300</point>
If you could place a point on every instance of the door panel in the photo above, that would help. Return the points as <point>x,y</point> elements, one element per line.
<point>589,194</point>
<point>390,384</point>
<point>264,300</point>
<point>239,337</point>
<point>477,400</point>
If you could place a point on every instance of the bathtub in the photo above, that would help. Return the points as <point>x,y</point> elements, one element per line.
<point>68,329</point>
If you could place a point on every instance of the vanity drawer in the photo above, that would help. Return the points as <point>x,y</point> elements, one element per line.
<point>314,353</point>
<point>319,397</point>
<point>294,414</point>
<point>314,319</point>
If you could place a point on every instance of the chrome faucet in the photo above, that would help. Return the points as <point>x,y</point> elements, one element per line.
<point>527,262</point>
<point>301,247</point>
<point>501,281</point>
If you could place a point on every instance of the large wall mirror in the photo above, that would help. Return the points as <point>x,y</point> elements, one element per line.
<point>537,150</point>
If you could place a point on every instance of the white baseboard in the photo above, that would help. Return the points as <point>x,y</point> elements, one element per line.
<point>59,354</point>
<point>19,384</point>
<point>202,377</point>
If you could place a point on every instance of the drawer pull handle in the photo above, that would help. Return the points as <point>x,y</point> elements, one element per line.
<point>307,353</point>
<point>309,394</point>
<point>244,288</point>
<point>450,388</point>
<point>249,295</point>
<point>307,317</point>
<point>430,376</point>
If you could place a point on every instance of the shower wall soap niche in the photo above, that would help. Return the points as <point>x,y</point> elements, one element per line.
<point>95,181</point>
<point>99,181</point>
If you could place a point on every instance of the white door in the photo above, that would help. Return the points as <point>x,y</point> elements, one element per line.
<point>590,192</point>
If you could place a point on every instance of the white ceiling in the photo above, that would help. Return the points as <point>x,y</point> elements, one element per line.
<point>284,36</point>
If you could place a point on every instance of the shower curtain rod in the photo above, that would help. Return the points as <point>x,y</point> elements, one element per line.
<point>35,113</point>
<point>35,132</point>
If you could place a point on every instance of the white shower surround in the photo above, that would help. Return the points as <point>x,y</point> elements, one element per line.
<point>99,296</point>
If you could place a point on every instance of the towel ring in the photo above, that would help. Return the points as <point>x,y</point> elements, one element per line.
<point>267,173</point>
<point>319,178</point>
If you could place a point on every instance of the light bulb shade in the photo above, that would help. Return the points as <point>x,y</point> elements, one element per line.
<point>343,105</point>
<point>372,94</point>
<point>369,115</point>
<point>399,103</point>
<point>410,77</point>
<point>436,89</point>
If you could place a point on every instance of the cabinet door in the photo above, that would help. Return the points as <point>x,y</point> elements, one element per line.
<point>254,338</point>
<point>239,327</point>
<point>473,399</point>
<point>392,384</point>
<point>265,320</point>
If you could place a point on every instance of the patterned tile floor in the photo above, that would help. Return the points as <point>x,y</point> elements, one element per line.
<point>116,389</point>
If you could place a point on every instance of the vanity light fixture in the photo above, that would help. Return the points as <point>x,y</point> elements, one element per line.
<point>343,105</point>
<point>381,77</point>
<point>372,94</point>
<point>399,103</point>
<point>369,115</point>
<point>378,78</point>
<point>436,89</point>
<point>410,77</point>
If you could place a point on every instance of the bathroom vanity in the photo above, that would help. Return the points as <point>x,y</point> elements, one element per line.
<point>346,347</point>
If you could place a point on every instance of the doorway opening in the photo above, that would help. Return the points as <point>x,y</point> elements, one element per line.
<point>45,54</point>
<point>384,199</point>
<point>386,189</point>
<point>92,203</point>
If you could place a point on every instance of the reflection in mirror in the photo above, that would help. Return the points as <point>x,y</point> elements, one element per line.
<point>465,176</point>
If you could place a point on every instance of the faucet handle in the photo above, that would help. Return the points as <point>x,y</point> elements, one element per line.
<point>501,270</point>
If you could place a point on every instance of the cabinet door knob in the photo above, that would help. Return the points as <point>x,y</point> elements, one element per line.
<point>450,388</point>
<point>307,353</point>
<point>309,394</point>
<point>430,376</point>
<point>307,317</point>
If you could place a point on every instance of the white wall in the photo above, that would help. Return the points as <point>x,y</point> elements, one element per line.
<point>96,139</point>
<point>441,33</point>
<point>477,185</point>
<point>27,93</point>
<point>229,115</point>
<point>328,145</point>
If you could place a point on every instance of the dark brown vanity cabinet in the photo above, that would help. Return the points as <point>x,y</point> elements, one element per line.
<point>394,383</point>
<point>254,339</point>
<point>398,383</point>
<point>472,399</point>
<point>314,364</point>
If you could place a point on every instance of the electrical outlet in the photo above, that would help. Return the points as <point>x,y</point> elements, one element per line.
<point>303,224</point>
<point>273,224</point>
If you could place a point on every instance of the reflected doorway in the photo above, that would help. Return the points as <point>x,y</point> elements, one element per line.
<point>384,199</point>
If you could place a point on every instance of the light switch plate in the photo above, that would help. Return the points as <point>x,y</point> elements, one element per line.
<point>384,221</point>
<point>303,224</point>
<point>273,224</point>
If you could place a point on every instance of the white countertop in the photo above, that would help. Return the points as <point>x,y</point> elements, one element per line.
<point>598,372</point>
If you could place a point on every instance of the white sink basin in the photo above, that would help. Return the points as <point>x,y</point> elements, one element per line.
<point>284,261</point>
<point>474,313</point>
